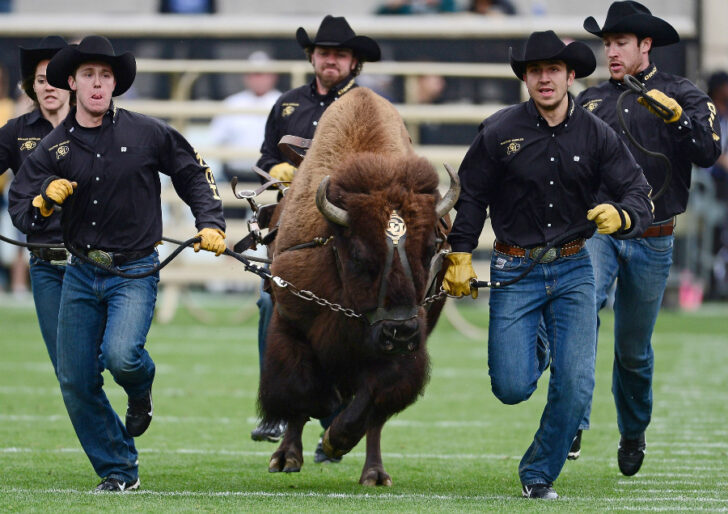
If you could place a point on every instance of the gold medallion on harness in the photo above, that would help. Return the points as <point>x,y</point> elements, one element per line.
<point>396,227</point>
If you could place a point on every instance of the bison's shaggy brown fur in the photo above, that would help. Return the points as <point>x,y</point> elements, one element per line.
<point>318,359</point>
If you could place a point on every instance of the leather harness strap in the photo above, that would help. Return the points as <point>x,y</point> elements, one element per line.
<point>286,146</point>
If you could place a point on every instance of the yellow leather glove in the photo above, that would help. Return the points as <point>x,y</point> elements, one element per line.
<point>665,100</point>
<point>45,211</point>
<point>282,171</point>
<point>213,240</point>
<point>60,189</point>
<point>458,275</point>
<point>607,218</point>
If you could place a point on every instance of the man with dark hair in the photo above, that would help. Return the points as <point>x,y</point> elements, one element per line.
<point>538,166</point>
<point>18,138</point>
<point>641,266</point>
<point>107,161</point>
<point>337,55</point>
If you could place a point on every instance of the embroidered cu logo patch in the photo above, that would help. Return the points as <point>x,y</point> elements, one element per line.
<point>591,105</point>
<point>28,145</point>
<point>61,151</point>
<point>513,148</point>
<point>287,111</point>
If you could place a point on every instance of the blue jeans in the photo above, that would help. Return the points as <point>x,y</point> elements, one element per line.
<point>103,324</point>
<point>641,267</point>
<point>560,293</point>
<point>46,279</point>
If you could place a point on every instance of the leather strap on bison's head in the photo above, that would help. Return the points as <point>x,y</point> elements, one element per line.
<point>396,235</point>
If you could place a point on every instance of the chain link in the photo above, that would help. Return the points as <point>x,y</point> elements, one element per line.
<point>305,294</point>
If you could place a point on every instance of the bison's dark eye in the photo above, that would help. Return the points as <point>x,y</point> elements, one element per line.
<point>362,260</point>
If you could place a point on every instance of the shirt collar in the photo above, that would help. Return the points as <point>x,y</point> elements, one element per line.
<point>533,111</point>
<point>338,90</point>
<point>112,115</point>
<point>34,116</point>
<point>642,76</point>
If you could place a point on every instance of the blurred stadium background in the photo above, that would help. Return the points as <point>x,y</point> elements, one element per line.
<point>188,64</point>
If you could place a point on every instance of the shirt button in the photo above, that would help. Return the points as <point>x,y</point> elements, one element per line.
<point>322,104</point>
<point>315,122</point>
<point>551,182</point>
<point>551,205</point>
<point>98,155</point>
<point>93,223</point>
<point>552,159</point>
<point>95,201</point>
<point>88,246</point>
<point>97,179</point>
<point>32,224</point>
<point>548,225</point>
<point>626,110</point>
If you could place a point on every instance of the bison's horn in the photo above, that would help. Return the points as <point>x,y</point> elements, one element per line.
<point>448,201</point>
<point>330,211</point>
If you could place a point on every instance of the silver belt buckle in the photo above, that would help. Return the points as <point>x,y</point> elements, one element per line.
<point>62,262</point>
<point>101,257</point>
<point>549,256</point>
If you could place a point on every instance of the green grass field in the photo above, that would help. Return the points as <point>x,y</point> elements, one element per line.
<point>457,449</point>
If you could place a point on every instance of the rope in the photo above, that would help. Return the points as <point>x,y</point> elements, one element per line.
<point>634,86</point>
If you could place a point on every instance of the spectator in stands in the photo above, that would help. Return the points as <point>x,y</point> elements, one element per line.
<point>417,7</point>
<point>337,55</point>
<point>108,161</point>
<point>492,7</point>
<point>687,134</point>
<point>18,138</point>
<point>246,130</point>
<point>187,6</point>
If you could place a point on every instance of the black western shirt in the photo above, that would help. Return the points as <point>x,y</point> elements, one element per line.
<point>540,181</point>
<point>296,113</point>
<point>18,138</point>
<point>694,138</point>
<point>117,205</point>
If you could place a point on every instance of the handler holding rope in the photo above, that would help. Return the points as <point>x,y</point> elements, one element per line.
<point>688,132</point>
<point>107,161</point>
<point>538,166</point>
<point>18,138</point>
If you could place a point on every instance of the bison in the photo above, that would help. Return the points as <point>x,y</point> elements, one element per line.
<point>358,228</point>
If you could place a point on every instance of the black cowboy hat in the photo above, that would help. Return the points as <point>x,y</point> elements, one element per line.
<point>336,32</point>
<point>634,18</point>
<point>546,46</point>
<point>46,49</point>
<point>92,49</point>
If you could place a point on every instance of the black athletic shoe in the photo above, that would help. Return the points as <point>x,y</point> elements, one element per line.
<point>630,455</point>
<point>319,456</point>
<point>539,492</point>
<point>139,414</point>
<point>575,449</point>
<point>271,431</point>
<point>112,485</point>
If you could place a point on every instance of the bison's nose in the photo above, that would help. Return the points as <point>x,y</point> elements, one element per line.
<point>400,336</point>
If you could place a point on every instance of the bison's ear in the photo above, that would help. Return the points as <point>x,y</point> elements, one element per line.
<point>448,201</point>
<point>330,211</point>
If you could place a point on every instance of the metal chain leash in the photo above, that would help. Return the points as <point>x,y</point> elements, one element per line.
<point>307,295</point>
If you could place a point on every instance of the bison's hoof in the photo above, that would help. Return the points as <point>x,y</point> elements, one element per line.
<point>375,476</point>
<point>287,465</point>
<point>328,448</point>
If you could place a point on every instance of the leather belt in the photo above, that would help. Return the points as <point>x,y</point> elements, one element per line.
<point>571,248</point>
<point>50,254</point>
<point>661,229</point>
<point>116,258</point>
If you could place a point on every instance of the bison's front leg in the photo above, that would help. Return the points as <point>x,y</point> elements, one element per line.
<point>373,472</point>
<point>289,455</point>
<point>348,427</point>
